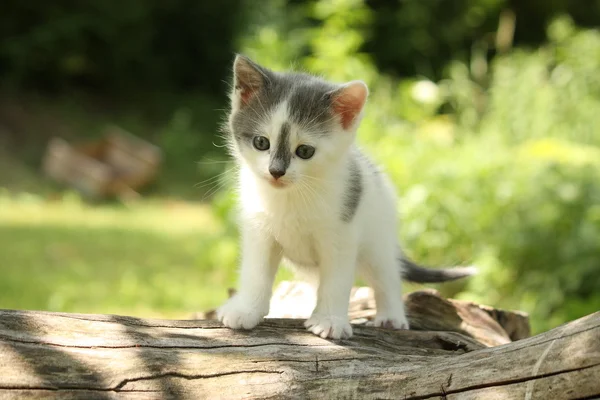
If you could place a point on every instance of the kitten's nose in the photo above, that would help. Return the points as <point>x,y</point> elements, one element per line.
<point>276,172</point>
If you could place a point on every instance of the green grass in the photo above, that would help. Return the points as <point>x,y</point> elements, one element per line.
<point>153,258</point>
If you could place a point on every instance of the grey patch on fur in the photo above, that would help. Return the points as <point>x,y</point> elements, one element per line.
<point>246,122</point>
<point>414,272</point>
<point>372,167</point>
<point>280,160</point>
<point>354,191</point>
<point>309,103</point>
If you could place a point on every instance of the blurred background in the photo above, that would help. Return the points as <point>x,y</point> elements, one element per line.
<point>486,114</point>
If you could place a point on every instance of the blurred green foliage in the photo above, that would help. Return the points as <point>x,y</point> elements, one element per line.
<point>115,46</point>
<point>495,152</point>
<point>435,31</point>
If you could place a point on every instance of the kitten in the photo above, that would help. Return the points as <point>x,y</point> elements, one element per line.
<point>310,196</point>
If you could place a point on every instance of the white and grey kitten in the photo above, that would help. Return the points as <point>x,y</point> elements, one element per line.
<point>310,196</point>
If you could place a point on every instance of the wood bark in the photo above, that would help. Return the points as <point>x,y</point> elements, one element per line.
<point>46,355</point>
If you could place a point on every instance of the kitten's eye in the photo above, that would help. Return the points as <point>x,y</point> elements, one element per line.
<point>304,151</point>
<point>261,143</point>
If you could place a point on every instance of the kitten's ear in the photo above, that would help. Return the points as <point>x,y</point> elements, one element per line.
<point>248,78</point>
<point>348,102</point>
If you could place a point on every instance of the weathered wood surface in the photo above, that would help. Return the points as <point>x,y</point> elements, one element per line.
<point>73,356</point>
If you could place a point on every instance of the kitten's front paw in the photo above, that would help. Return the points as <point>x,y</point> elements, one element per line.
<point>239,314</point>
<point>391,321</point>
<point>329,326</point>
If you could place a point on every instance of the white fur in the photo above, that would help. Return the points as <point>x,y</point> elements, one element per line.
<point>301,224</point>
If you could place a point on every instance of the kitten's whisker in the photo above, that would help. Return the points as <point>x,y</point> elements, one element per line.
<point>208,161</point>
<point>212,179</point>
<point>314,178</point>
<point>219,146</point>
<point>228,83</point>
<point>320,198</point>
<point>207,192</point>
<point>305,193</point>
<point>208,181</point>
<point>320,181</point>
<point>216,188</point>
<point>314,194</point>
<point>304,202</point>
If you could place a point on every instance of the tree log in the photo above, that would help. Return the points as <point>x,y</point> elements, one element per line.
<point>46,355</point>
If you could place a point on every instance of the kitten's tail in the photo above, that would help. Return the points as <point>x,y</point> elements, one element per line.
<point>414,272</point>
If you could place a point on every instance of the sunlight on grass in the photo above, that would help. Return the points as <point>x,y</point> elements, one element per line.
<point>153,258</point>
<point>69,211</point>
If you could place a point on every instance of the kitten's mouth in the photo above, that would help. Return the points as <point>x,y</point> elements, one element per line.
<point>277,183</point>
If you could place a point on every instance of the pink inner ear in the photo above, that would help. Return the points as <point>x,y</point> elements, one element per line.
<point>349,101</point>
<point>246,93</point>
<point>248,78</point>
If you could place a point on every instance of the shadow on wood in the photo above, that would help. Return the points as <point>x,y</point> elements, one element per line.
<point>47,355</point>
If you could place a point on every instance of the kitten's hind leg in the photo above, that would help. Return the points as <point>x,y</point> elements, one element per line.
<point>383,274</point>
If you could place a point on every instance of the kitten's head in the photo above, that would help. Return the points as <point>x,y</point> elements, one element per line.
<point>291,127</point>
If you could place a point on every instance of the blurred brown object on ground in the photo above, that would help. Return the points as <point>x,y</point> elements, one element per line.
<point>120,164</point>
